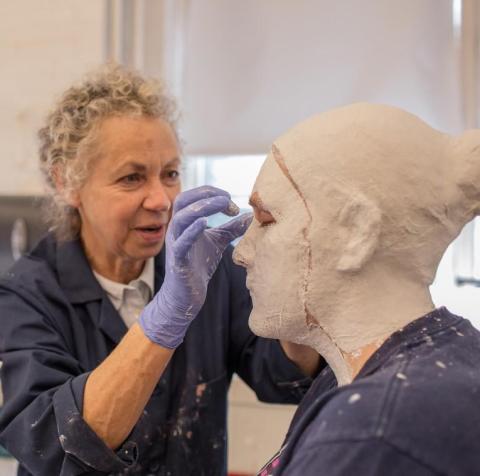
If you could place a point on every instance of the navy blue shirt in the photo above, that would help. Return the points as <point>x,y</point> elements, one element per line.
<point>413,410</point>
<point>57,325</point>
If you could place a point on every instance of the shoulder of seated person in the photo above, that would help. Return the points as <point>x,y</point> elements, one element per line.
<point>387,403</point>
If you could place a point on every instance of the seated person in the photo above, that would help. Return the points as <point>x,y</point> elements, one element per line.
<point>354,209</point>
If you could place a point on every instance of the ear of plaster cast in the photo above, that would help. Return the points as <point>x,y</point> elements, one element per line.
<point>359,223</point>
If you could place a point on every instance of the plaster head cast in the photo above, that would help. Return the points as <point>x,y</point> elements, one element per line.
<point>354,210</point>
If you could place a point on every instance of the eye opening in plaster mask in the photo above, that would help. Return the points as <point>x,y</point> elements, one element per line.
<point>263,216</point>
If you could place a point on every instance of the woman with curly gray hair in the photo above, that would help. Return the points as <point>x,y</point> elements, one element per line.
<point>100,375</point>
<point>70,138</point>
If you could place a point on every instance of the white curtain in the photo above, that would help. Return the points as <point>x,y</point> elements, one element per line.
<point>253,68</point>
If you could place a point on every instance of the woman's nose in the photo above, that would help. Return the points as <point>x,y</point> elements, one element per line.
<point>157,198</point>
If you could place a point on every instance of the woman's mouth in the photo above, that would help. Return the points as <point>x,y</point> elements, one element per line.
<point>151,234</point>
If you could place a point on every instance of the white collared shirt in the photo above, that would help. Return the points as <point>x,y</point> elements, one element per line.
<point>130,299</point>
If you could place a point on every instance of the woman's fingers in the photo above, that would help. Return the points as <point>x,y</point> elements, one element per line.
<point>191,196</point>
<point>221,235</point>
<point>226,233</point>
<point>201,208</point>
<point>189,220</point>
<point>188,237</point>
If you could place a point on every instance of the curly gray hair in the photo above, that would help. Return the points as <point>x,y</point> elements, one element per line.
<point>68,138</point>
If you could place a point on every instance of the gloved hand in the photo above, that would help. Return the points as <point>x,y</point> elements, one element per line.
<point>193,253</point>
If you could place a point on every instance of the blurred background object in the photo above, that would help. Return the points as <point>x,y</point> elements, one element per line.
<point>20,227</point>
<point>243,73</point>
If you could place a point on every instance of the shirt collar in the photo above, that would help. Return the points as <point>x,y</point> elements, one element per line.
<point>116,291</point>
<point>75,273</point>
<point>148,275</point>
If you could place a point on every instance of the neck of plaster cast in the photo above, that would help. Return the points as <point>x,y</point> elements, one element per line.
<point>375,311</point>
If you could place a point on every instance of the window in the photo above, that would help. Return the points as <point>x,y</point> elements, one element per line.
<point>236,174</point>
<point>466,255</point>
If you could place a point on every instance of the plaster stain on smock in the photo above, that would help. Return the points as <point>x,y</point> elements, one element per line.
<point>440,364</point>
<point>459,334</point>
<point>429,341</point>
<point>401,376</point>
<point>354,398</point>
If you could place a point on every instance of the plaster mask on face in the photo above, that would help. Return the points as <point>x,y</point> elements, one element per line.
<point>365,198</point>
<point>276,255</point>
<point>278,260</point>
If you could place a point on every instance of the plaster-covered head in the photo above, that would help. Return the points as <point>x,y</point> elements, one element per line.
<point>355,194</point>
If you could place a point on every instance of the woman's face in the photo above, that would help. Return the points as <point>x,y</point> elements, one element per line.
<point>125,204</point>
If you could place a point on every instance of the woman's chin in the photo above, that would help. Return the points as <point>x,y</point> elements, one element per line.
<point>147,249</point>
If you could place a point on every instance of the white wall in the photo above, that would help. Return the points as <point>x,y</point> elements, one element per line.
<point>44,46</point>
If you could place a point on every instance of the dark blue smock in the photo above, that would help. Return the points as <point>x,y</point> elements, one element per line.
<point>413,410</point>
<point>57,325</point>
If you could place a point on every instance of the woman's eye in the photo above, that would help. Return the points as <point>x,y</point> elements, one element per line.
<point>131,179</point>
<point>172,176</point>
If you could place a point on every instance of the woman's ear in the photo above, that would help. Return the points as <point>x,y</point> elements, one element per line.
<point>359,228</point>
<point>73,199</point>
<point>70,197</point>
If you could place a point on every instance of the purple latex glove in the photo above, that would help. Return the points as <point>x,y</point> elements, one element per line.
<point>193,253</point>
